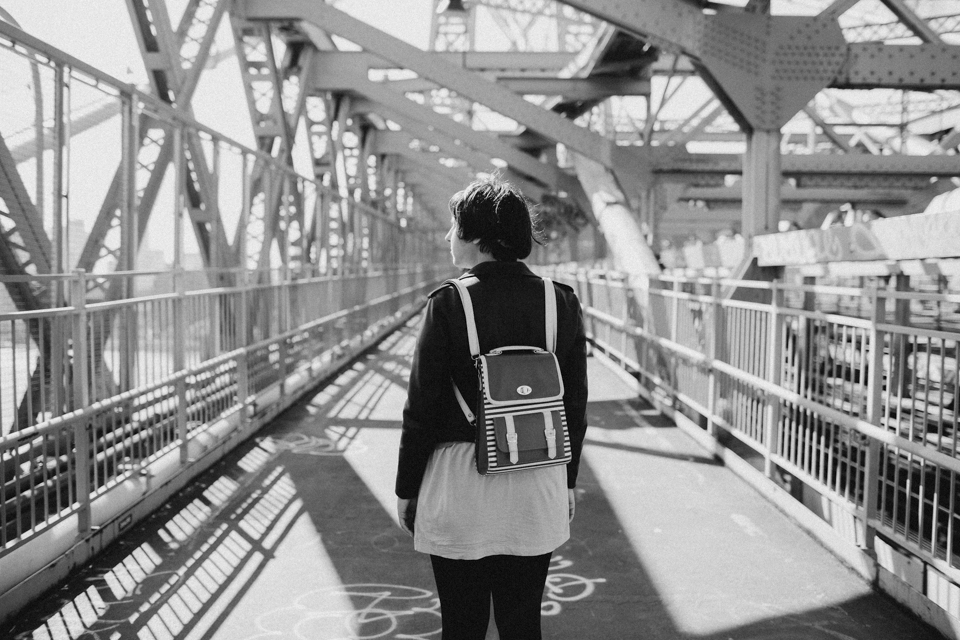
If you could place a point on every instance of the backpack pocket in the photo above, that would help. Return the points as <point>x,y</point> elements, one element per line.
<point>524,437</point>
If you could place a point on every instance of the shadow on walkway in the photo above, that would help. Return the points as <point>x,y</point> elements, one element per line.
<point>294,536</point>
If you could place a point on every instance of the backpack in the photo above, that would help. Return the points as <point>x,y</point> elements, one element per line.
<point>521,422</point>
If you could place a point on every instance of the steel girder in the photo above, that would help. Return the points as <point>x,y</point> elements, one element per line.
<point>840,141</point>
<point>631,165</point>
<point>873,65</point>
<point>25,248</point>
<point>801,166</point>
<point>818,195</point>
<point>585,89</point>
<point>275,115</point>
<point>401,141</point>
<point>343,77</point>
<point>915,23</point>
<point>896,30</point>
<point>174,61</point>
<point>417,130</point>
<point>678,26</point>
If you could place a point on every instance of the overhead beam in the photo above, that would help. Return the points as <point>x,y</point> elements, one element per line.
<point>416,129</point>
<point>673,25</point>
<point>679,26</point>
<point>873,65</point>
<point>797,165</point>
<point>353,78</point>
<point>387,144</point>
<point>479,163</point>
<point>630,164</point>
<point>495,63</point>
<point>569,88</point>
<point>790,194</point>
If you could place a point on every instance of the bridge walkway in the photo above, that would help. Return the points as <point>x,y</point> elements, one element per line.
<point>293,535</point>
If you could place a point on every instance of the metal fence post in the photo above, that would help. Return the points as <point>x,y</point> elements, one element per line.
<point>81,398</point>
<point>713,353</point>
<point>774,367</point>
<point>243,362</point>
<point>179,359</point>
<point>128,242</point>
<point>675,320</point>
<point>60,203</point>
<point>283,312</point>
<point>871,472</point>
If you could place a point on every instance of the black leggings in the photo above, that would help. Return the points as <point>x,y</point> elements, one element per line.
<point>465,587</point>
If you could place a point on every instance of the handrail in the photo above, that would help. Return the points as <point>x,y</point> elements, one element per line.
<point>847,405</point>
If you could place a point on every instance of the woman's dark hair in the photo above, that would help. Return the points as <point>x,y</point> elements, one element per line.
<point>495,213</point>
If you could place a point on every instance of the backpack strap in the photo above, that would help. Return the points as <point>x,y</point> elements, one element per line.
<point>472,337</point>
<point>550,304</point>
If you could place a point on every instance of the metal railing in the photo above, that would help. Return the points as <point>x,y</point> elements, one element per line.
<point>197,359</point>
<point>861,410</point>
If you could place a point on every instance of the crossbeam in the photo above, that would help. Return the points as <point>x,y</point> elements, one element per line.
<point>631,164</point>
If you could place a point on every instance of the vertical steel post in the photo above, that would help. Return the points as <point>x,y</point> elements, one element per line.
<point>128,240</point>
<point>218,276</point>
<point>81,399</point>
<point>179,313</point>
<point>179,180</point>
<point>283,312</point>
<point>243,313</point>
<point>713,352</point>
<point>675,320</point>
<point>305,263</point>
<point>179,358</point>
<point>60,153</point>
<point>900,347</point>
<point>871,479</point>
<point>774,369</point>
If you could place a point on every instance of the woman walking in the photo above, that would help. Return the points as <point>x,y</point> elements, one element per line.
<point>488,536</point>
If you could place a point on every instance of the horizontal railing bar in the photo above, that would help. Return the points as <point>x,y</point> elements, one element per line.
<point>829,413</point>
<point>835,318</point>
<point>52,425</point>
<point>918,331</point>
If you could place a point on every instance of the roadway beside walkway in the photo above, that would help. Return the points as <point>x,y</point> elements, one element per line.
<point>294,536</point>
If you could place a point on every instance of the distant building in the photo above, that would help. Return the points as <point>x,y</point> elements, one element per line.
<point>152,260</point>
<point>76,239</point>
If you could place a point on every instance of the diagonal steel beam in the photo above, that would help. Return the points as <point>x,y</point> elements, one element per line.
<point>479,163</point>
<point>630,164</point>
<point>915,23</point>
<point>174,71</point>
<point>828,130</point>
<point>416,129</point>
<point>23,230</point>
<point>354,78</point>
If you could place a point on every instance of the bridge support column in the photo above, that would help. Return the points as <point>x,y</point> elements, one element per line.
<point>621,229</point>
<point>761,183</point>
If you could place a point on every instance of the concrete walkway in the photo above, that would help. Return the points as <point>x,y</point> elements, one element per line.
<point>294,536</point>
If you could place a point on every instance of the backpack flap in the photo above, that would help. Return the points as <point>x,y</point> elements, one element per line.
<point>534,431</point>
<point>529,376</point>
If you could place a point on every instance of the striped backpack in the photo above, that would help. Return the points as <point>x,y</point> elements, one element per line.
<point>521,423</point>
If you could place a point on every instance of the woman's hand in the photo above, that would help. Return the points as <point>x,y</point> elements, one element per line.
<point>406,510</point>
<point>571,503</point>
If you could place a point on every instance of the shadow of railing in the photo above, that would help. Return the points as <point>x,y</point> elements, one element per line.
<point>293,536</point>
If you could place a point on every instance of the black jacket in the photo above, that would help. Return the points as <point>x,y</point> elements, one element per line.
<point>508,308</point>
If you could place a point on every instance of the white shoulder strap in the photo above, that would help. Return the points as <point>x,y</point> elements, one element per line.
<point>468,312</point>
<point>550,303</point>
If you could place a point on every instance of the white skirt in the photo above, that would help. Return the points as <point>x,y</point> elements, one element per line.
<point>462,515</point>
